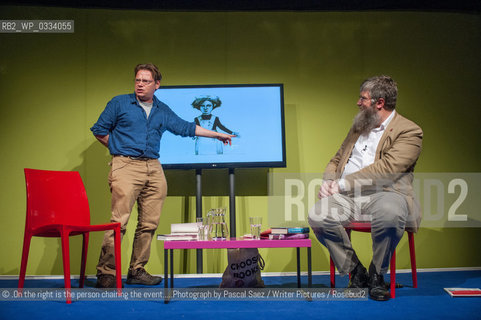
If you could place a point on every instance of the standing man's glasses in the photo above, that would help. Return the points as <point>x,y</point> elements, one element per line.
<point>143,81</point>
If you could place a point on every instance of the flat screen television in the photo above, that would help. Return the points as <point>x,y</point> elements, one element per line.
<point>254,112</point>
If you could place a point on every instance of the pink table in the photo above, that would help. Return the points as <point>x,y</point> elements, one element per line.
<point>237,243</point>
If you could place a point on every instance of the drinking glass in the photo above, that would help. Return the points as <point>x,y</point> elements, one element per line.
<point>203,229</point>
<point>256,223</point>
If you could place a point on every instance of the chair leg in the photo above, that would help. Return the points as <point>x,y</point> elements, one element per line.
<point>118,264</point>
<point>332,273</point>
<point>23,264</point>
<point>393,274</point>
<point>66,263</point>
<point>348,231</point>
<point>412,253</point>
<point>85,246</point>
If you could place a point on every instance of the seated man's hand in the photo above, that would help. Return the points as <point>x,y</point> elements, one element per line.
<point>328,188</point>
<point>334,188</point>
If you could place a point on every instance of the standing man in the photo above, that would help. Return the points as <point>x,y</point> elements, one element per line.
<point>370,179</point>
<point>131,126</point>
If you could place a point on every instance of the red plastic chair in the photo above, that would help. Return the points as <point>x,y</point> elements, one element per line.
<point>57,206</point>
<point>366,227</point>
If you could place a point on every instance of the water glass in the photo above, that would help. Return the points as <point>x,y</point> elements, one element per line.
<point>256,223</point>
<point>203,229</point>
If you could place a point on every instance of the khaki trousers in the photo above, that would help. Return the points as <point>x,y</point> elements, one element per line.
<point>387,212</point>
<point>130,181</point>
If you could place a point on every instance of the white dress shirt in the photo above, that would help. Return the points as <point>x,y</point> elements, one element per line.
<point>364,151</point>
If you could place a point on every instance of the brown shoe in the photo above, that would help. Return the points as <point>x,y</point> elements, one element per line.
<point>141,276</point>
<point>105,281</point>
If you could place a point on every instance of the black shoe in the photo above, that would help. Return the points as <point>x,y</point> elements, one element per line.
<point>105,281</point>
<point>359,277</point>
<point>377,288</point>
<point>140,276</point>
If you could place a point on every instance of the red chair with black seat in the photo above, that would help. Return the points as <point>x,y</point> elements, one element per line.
<point>366,227</point>
<point>57,206</point>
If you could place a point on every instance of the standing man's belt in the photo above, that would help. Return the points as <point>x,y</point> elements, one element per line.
<point>136,158</point>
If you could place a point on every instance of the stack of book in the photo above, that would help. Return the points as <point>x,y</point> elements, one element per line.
<point>286,233</point>
<point>181,231</point>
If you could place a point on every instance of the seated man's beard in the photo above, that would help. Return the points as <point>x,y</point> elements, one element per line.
<point>366,120</point>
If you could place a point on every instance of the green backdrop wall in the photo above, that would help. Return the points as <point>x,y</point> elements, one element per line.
<point>54,86</point>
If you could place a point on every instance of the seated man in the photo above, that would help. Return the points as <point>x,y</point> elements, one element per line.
<point>370,179</point>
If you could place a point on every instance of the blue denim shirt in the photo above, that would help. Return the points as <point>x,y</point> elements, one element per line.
<point>131,133</point>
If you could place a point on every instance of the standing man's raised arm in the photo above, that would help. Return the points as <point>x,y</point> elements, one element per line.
<point>225,138</point>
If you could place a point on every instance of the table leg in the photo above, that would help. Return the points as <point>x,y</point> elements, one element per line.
<point>166,275</point>
<point>309,268</point>
<point>171,268</point>
<point>298,267</point>
<point>199,261</point>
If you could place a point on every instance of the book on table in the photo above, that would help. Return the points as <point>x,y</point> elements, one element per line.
<point>289,236</point>
<point>289,230</point>
<point>191,227</point>
<point>180,232</point>
<point>285,233</point>
<point>176,237</point>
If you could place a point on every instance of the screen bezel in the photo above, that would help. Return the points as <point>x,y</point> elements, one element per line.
<point>251,164</point>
